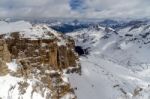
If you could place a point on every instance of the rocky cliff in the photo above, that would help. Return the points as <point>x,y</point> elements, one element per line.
<point>39,60</point>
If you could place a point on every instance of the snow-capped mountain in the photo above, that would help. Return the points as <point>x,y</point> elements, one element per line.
<point>89,38</point>
<point>117,66</point>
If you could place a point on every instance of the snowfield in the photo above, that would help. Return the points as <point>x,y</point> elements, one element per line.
<point>9,89</point>
<point>117,66</point>
<point>26,29</point>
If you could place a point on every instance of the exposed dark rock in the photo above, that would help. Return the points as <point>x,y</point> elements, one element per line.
<point>79,50</point>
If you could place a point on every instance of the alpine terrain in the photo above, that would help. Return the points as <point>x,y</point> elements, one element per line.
<point>74,49</point>
<point>115,62</point>
<point>98,60</point>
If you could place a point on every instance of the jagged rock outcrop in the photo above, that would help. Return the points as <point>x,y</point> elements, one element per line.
<point>43,60</point>
<point>3,68</point>
<point>5,56</point>
<point>42,51</point>
<point>4,52</point>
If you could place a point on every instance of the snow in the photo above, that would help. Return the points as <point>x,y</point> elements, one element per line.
<point>93,83</point>
<point>95,35</point>
<point>36,96</point>
<point>116,67</point>
<point>14,26</point>
<point>9,88</point>
<point>68,96</point>
<point>134,31</point>
<point>12,66</point>
<point>6,82</point>
<point>27,30</point>
<point>99,76</point>
<point>65,79</point>
<point>62,42</point>
<point>108,44</point>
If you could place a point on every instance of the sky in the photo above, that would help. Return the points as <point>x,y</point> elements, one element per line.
<point>75,8</point>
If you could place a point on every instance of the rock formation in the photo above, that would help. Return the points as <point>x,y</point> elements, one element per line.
<point>43,59</point>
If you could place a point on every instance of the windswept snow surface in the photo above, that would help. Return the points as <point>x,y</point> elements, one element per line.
<point>117,66</point>
<point>9,89</point>
<point>27,30</point>
<point>102,79</point>
<point>14,26</point>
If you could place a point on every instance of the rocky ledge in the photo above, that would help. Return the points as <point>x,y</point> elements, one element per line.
<point>37,59</point>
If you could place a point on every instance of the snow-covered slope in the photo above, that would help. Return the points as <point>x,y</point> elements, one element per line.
<point>89,37</point>
<point>27,30</point>
<point>117,66</point>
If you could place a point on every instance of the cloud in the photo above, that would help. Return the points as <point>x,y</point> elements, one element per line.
<point>35,8</point>
<point>75,8</point>
<point>117,8</point>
